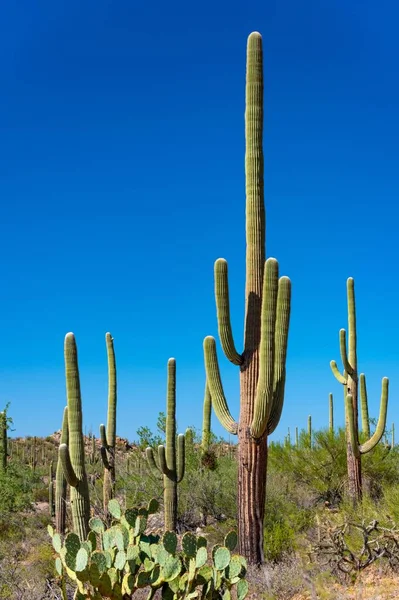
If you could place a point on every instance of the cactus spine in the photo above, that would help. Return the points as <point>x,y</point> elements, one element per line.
<point>72,455</point>
<point>267,311</point>
<point>350,379</point>
<point>206,420</point>
<point>3,433</point>
<point>171,459</point>
<point>108,438</point>
<point>60,481</point>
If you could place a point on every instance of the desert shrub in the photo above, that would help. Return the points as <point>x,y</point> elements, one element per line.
<point>16,488</point>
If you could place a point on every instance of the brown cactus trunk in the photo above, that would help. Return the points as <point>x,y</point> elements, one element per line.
<point>353,458</point>
<point>252,468</point>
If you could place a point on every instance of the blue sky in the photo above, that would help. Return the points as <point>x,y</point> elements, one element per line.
<point>122,180</point>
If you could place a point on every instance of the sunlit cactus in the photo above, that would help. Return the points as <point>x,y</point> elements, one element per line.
<point>73,454</point>
<point>172,457</point>
<point>356,445</point>
<point>267,312</point>
<point>108,437</point>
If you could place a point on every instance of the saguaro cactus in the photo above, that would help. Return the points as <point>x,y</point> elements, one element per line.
<point>350,379</point>
<point>331,413</point>
<point>108,437</point>
<point>171,459</point>
<point>267,311</point>
<point>206,420</point>
<point>3,434</point>
<point>51,491</point>
<point>61,482</point>
<point>73,455</point>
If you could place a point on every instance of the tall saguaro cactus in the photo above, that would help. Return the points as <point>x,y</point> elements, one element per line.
<point>350,380</point>
<point>108,437</point>
<point>60,481</point>
<point>171,459</point>
<point>267,311</point>
<point>73,455</point>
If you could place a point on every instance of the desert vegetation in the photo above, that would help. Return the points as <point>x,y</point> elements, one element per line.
<point>184,516</point>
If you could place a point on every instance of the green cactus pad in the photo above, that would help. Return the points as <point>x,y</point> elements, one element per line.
<point>235,567</point>
<point>231,540</point>
<point>94,574</point>
<point>128,584</point>
<point>227,595</point>
<point>99,559</point>
<point>131,516</point>
<point>169,540</point>
<point>96,525</point>
<point>202,542</point>
<point>148,564</point>
<point>72,543</point>
<point>114,508</point>
<point>215,547</point>
<point>205,574</point>
<point>221,558</point>
<point>183,581</point>
<point>70,561</point>
<point>120,560</point>
<point>58,566</point>
<point>201,557</point>
<point>119,539</point>
<point>140,525</point>
<point>57,542</point>
<point>143,579</point>
<point>82,558</point>
<point>189,544</point>
<point>93,540</point>
<point>162,556</point>
<point>242,589</point>
<point>153,506</point>
<point>174,584</point>
<point>109,558</point>
<point>113,575</point>
<point>171,568</point>
<point>132,552</point>
<point>104,585</point>
<point>167,593</point>
<point>50,530</point>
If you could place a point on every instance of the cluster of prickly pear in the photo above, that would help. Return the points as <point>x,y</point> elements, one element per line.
<point>116,562</point>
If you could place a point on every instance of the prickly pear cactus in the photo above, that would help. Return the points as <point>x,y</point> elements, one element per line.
<point>115,562</point>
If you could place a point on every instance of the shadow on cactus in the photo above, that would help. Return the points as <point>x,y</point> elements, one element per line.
<point>116,562</point>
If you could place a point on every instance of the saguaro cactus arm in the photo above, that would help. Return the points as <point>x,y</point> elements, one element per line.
<point>104,458</point>
<point>382,419</point>
<point>334,368</point>
<point>280,353</point>
<point>264,390</point>
<point>344,357</point>
<point>151,461</point>
<point>103,437</point>
<point>111,416</point>
<point>364,408</point>
<point>223,312</point>
<point>215,386</point>
<point>67,467</point>
<point>181,457</point>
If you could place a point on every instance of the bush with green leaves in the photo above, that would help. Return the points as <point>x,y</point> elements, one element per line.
<point>116,562</point>
<point>17,488</point>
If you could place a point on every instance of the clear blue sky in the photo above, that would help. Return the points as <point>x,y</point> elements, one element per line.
<point>122,180</point>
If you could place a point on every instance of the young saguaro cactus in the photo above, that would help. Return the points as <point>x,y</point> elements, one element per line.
<point>171,459</point>
<point>51,491</point>
<point>3,434</point>
<point>331,413</point>
<point>108,437</point>
<point>350,380</point>
<point>267,312</point>
<point>206,420</point>
<point>73,455</point>
<point>60,481</point>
